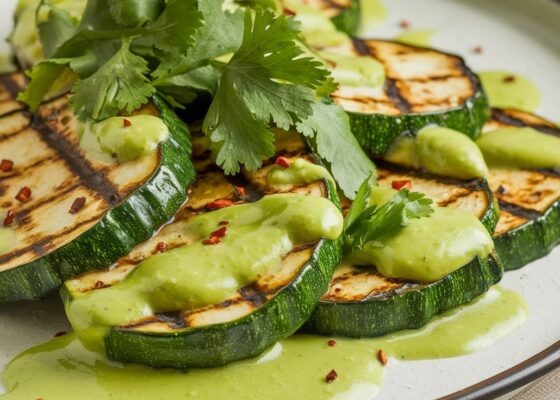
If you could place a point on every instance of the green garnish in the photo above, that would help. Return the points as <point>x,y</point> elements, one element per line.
<point>368,224</point>
<point>250,61</point>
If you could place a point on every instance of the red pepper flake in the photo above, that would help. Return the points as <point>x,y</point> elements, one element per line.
<point>99,285</point>
<point>161,247</point>
<point>287,11</point>
<point>23,195</point>
<point>382,357</point>
<point>213,240</point>
<point>223,223</point>
<point>222,203</point>
<point>404,184</point>
<point>240,192</point>
<point>10,216</point>
<point>219,233</point>
<point>478,50</point>
<point>509,79</point>
<point>77,205</point>
<point>331,343</point>
<point>283,162</point>
<point>331,376</point>
<point>404,24</point>
<point>6,165</point>
<point>61,333</point>
<point>127,123</point>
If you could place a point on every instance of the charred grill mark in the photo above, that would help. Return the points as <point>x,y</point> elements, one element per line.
<point>396,97</point>
<point>10,85</point>
<point>473,79</point>
<point>45,243</point>
<point>12,134</point>
<point>452,199</point>
<point>519,211</point>
<point>28,169</point>
<point>552,172</point>
<point>23,214</point>
<point>503,117</point>
<point>173,319</point>
<point>361,47</point>
<point>94,180</point>
<point>253,295</point>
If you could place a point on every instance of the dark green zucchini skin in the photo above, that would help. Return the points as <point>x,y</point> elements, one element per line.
<point>122,227</point>
<point>530,241</point>
<point>376,132</point>
<point>247,337</point>
<point>406,308</point>
<point>348,21</point>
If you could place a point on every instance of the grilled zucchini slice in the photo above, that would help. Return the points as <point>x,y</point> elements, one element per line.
<point>260,314</point>
<point>361,302</point>
<point>529,225</point>
<point>423,86</point>
<point>125,203</point>
<point>10,86</point>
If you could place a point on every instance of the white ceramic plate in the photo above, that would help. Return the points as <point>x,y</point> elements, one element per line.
<point>518,35</point>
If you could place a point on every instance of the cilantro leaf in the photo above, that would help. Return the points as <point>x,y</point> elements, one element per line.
<point>376,222</point>
<point>120,84</point>
<point>331,136</point>
<point>57,29</point>
<point>267,80</point>
<point>42,78</point>
<point>133,13</point>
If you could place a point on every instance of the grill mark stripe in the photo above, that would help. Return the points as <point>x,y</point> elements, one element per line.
<point>10,85</point>
<point>12,134</point>
<point>43,242</point>
<point>92,179</point>
<point>334,5</point>
<point>507,119</point>
<point>519,211</point>
<point>28,169</point>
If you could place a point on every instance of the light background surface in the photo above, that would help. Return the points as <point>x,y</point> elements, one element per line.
<point>517,35</point>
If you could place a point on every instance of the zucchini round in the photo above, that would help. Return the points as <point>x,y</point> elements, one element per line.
<point>260,314</point>
<point>529,226</point>
<point>125,203</point>
<point>422,87</point>
<point>363,303</point>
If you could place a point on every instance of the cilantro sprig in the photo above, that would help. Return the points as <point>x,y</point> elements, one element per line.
<point>365,224</point>
<point>249,60</point>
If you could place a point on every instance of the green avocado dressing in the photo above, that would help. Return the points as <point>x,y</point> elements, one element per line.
<point>8,240</point>
<point>354,70</point>
<point>417,37</point>
<point>509,90</point>
<point>25,36</point>
<point>441,151</point>
<point>428,248</point>
<point>111,138</point>
<point>196,275</point>
<point>296,366</point>
<point>300,171</point>
<point>520,148</point>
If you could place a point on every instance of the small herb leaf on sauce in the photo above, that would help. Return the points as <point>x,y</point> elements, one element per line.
<point>374,222</point>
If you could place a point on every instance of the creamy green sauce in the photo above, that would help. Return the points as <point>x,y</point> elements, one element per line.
<point>300,171</point>
<point>509,90</point>
<point>63,369</point>
<point>428,248</point>
<point>8,239</point>
<point>112,139</point>
<point>196,275</point>
<point>362,71</point>
<point>317,29</point>
<point>417,37</point>
<point>520,148</point>
<point>25,36</point>
<point>372,13</point>
<point>441,151</point>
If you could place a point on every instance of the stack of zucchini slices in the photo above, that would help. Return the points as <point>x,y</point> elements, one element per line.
<point>529,225</point>
<point>68,211</point>
<point>260,314</point>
